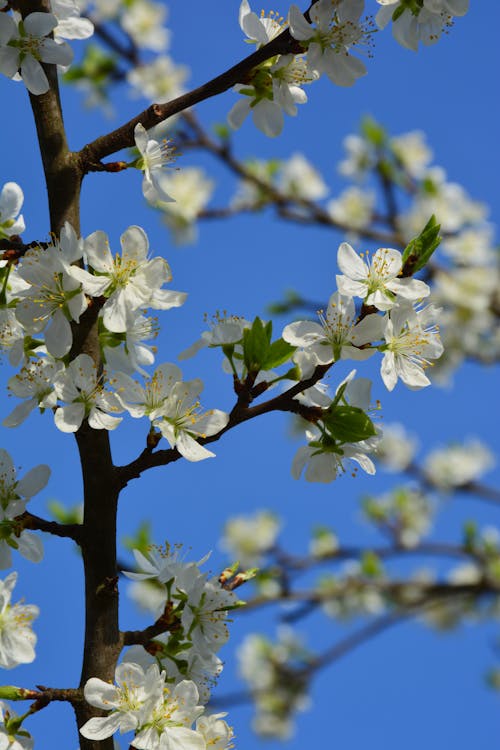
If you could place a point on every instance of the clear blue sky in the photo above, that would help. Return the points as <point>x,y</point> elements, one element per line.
<point>410,687</point>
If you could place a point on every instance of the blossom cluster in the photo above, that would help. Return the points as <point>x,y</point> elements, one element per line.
<point>49,291</point>
<point>271,670</point>
<point>160,692</point>
<point>324,42</point>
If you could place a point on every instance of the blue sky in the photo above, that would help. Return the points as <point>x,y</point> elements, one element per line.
<point>411,686</point>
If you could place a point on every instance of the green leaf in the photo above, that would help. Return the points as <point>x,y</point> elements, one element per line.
<point>256,344</point>
<point>62,514</point>
<point>349,424</point>
<point>419,250</point>
<point>373,132</point>
<point>141,540</point>
<point>279,352</point>
<point>371,565</point>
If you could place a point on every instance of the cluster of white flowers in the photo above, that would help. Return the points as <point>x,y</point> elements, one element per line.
<point>248,538</point>
<point>405,334</point>
<point>158,696</point>
<point>466,281</point>
<point>325,42</point>
<point>353,592</point>
<point>173,407</point>
<point>457,465</point>
<point>268,669</point>
<point>17,639</point>
<point>47,291</point>
<point>159,716</point>
<point>414,22</point>
<point>405,513</point>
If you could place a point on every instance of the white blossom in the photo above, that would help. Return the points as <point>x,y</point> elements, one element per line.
<point>191,190</point>
<point>168,724</point>
<point>20,740</point>
<point>426,25</point>
<point>144,20</point>
<point>412,340</point>
<point>70,25</point>
<point>129,281</point>
<point>458,464</point>
<point>11,201</point>
<point>14,494</point>
<point>149,400</point>
<point>17,640</point>
<point>353,208</point>
<point>181,422</point>
<point>160,80</point>
<point>55,296</point>
<point>334,30</point>
<point>299,179</point>
<point>205,615</point>
<point>35,384</point>
<point>134,688</point>
<point>24,46</point>
<point>84,397</point>
<point>127,351</point>
<point>154,156</point>
<point>412,152</point>
<point>396,447</point>
<point>248,538</point>
<point>338,335</point>
<point>375,280</point>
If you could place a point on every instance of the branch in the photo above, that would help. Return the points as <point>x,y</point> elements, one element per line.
<point>239,414</point>
<point>283,203</point>
<point>70,530</point>
<point>123,137</point>
<point>168,621</point>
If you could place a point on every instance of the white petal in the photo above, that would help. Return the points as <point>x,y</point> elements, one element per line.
<point>99,728</point>
<point>34,481</point>
<point>350,263</point>
<point>190,449</point>
<point>34,76</point>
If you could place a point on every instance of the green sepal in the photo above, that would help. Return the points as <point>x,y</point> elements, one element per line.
<point>419,250</point>
<point>348,424</point>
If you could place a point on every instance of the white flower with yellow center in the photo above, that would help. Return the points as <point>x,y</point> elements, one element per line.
<point>129,281</point>
<point>153,157</point>
<point>338,335</point>
<point>168,725</point>
<point>181,422</point>
<point>375,280</point>
<point>24,46</point>
<point>259,29</point>
<point>335,28</point>
<point>412,340</point>
<point>134,688</point>
<point>147,400</point>
<point>85,398</point>
<point>54,296</point>
<point>17,640</point>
